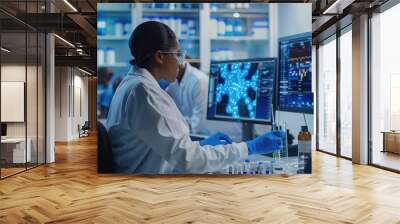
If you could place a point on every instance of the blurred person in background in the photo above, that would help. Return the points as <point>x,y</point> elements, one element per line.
<point>189,92</point>
<point>105,90</point>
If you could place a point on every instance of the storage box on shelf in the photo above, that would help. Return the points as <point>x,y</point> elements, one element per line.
<point>242,28</point>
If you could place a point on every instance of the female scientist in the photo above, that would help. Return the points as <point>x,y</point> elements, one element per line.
<point>147,132</point>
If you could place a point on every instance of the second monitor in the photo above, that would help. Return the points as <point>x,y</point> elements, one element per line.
<point>242,90</point>
<point>295,74</point>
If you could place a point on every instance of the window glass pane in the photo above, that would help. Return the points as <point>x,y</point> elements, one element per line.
<point>41,98</point>
<point>385,88</point>
<point>23,87</point>
<point>327,96</point>
<point>346,94</point>
<point>13,86</point>
<point>31,97</point>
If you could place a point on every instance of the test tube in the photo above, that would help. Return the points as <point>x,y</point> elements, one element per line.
<point>226,170</point>
<point>286,148</point>
<point>282,160</point>
<point>243,167</point>
<point>238,168</point>
<point>260,168</point>
<point>267,167</point>
<point>254,167</point>
<point>272,117</point>
<point>247,166</point>
<point>234,169</point>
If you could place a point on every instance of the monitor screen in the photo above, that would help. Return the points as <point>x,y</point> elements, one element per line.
<point>295,74</point>
<point>3,129</point>
<point>242,90</point>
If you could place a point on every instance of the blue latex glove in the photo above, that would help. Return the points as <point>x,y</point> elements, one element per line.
<point>280,134</point>
<point>163,84</point>
<point>218,138</point>
<point>266,143</point>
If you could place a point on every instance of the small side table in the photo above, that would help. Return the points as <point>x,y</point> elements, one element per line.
<point>391,141</point>
<point>14,150</point>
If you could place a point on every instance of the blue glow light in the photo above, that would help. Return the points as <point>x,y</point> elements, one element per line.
<point>236,87</point>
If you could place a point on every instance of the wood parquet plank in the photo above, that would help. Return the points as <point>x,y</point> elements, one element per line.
<point>71,191</point>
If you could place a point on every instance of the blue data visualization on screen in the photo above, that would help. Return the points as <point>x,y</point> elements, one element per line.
<point>242,90</point>
<point>295,74</point>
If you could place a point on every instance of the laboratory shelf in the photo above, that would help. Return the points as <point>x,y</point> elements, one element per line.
<point>188,38</point>
<point>241,11</point>
<point>113,12</point>
<point>111,37</point>
<point>109,7</point>
<point>239,38</point>
<point>193,60</point>
<point>115,65</point>
<point>174,11</point>
<point>201,43</point>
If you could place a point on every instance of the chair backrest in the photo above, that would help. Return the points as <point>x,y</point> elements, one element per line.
<point>86,125</point>
<point>105,160</point>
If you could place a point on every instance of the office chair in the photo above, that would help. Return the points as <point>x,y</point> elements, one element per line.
<point>84,130</point>
<point>105,160</point>
<point>86,126</point>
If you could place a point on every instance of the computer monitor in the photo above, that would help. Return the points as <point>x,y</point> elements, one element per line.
<point>3,129</point>
<point>295,74</point>
<point>242,90</point>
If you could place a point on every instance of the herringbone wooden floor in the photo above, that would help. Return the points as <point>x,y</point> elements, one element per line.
<point>70,191</point>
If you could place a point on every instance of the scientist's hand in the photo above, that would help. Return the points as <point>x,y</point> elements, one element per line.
<point>280,134</point>
<point>163,84</point>
<point>266,143</point>
<point>218,138</point>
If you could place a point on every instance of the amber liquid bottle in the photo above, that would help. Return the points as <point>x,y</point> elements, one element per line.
<point>304,149</point>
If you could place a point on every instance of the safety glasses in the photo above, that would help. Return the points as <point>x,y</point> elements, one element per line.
<point>179,55</point>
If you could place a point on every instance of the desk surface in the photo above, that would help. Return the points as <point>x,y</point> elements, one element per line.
<point>391,132</point>
<point>13,140</point>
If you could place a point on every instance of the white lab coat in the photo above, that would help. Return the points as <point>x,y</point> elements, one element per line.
<point>190,95</point>
<point>148,134</point>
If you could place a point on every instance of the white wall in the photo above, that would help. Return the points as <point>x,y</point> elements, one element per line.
<point>294,18</point>
<point>61,103</point>
<point>10,73</point>
<point>70,83</point>
<point>13,73</point>
<point>33,126</point>
<point>17,73</point>
<point>80,84</point>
